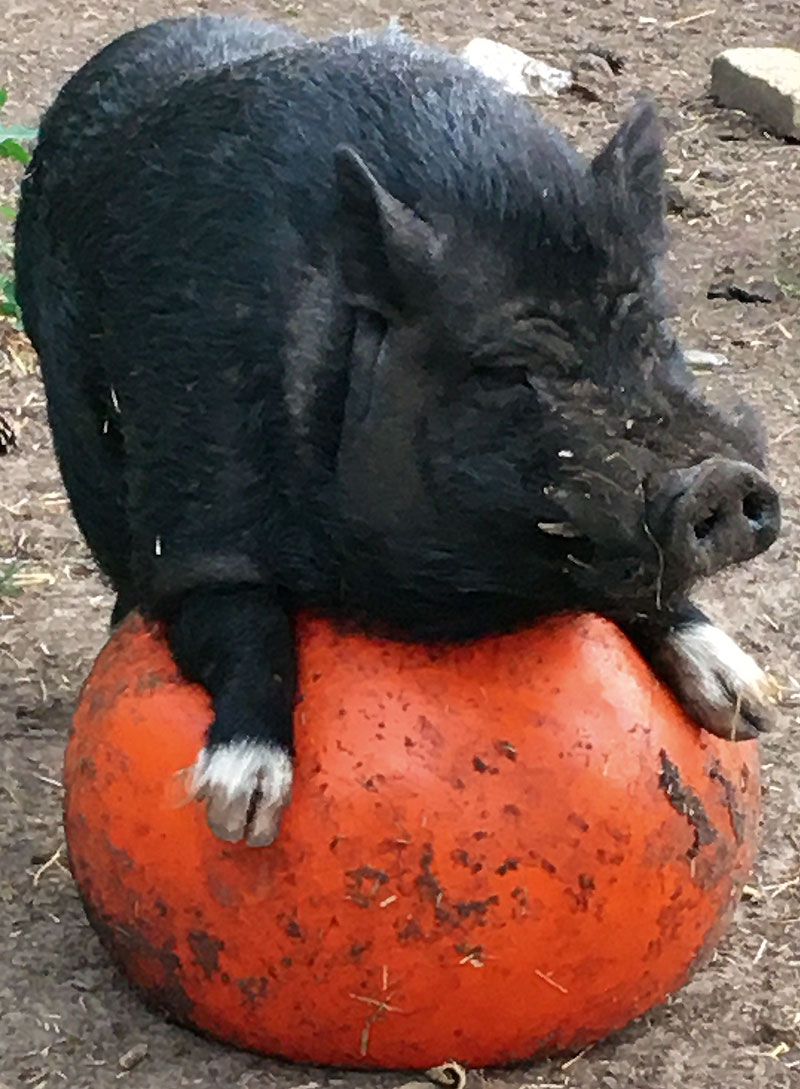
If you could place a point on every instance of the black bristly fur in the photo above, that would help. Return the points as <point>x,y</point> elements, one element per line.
<point>342,325</point>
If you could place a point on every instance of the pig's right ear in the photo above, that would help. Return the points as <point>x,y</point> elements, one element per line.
<point>630,169</point>
<point>388,255</point>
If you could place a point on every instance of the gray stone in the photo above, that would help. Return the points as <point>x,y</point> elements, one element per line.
<point>764,82</point>
<point>519,73</point>
<point>133,1056</point>
<point>700,360</point>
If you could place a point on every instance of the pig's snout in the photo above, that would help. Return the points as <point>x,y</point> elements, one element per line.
<point>716,513</point>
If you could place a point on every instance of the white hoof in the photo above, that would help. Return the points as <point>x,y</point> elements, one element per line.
<point>245,786</point>
<point>717,682</point>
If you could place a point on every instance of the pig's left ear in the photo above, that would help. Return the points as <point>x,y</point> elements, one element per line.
<point>631,171</point>
<point>389,255</point>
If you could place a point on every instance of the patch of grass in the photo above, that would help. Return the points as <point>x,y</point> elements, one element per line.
<point>12,146</point>
<point>9,571</point>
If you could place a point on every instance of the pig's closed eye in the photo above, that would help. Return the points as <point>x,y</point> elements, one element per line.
<point>503,377</point>
<point>369,334</point>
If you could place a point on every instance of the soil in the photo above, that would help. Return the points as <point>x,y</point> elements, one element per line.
<point>66,1016</point>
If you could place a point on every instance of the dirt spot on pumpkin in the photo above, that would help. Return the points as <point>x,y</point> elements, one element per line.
<point>730,799</point>
<point>684,800</point>
<point>206,949</point>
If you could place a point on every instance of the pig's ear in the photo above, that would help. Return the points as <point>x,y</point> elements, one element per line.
<point>631,170</point>
<point>388,254</point>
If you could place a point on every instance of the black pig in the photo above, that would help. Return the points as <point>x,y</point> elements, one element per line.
<point>343,326</point>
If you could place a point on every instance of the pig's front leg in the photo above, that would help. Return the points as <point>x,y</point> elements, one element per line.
<point>720,685</point>
<point>239,645</point>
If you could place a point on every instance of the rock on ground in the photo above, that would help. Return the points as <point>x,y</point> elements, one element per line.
<point>764,82</point>
<point>519,73</point>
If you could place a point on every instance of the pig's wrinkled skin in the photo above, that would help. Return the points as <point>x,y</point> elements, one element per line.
<point>343,326</point>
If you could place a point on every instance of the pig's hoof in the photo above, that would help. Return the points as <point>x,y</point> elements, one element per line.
<point>245,785</point>
<point>724,690</point>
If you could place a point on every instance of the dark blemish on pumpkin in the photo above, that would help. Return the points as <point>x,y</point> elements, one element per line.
<point>287,962</point>
<point>511,810</point>
<point>447,911</point>
<point>684,801</point>
<point>161,907</point>
<point>479,764</point>
<point>253,988</point>
<point>505,748</point>
<point>582,897</point>
<point>206,949</point>
<point>459,784</point>
<point>427,882</point>
<point>357,949</point>
<point>465,908</point>
<point>429,732</point>
<point>607,859</point>
<point>364,883</point>
<point>411,932</point>
<point>480,834</point>
<point>731,800</point>
<point>430,888</point>
<point>547,866</point>
<point>121,857</point>
<point>148,682</point>
<point>619,835</point>
<point>294,930</point>
<point>87,767</point>
<point>470,954</point>
<point>654,947</point>
<point>409,743</point>
<point>509,864</point>
<point>461,858</point>
<point>578,821</point>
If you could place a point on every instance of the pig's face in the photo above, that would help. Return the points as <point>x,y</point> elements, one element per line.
<point>521,419</point>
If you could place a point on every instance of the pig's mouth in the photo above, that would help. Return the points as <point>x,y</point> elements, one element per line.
<point>694,522</point>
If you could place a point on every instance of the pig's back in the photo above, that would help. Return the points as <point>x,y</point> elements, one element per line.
<point>200,217</point>
<point>248,146</point>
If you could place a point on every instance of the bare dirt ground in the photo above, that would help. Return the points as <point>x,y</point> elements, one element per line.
<point>66,1016</point>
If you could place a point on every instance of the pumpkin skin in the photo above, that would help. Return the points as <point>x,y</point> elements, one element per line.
<point>492,851</point>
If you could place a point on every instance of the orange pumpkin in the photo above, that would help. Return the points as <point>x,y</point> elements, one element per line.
<point>491,851</point>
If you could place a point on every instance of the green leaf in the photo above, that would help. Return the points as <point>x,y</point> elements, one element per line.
<point>8,210</point>
<point>3,96</point>
<point>11,149</point>
<point>7,289</point>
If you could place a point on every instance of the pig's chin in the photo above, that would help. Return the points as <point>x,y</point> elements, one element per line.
<point>623,586</point>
